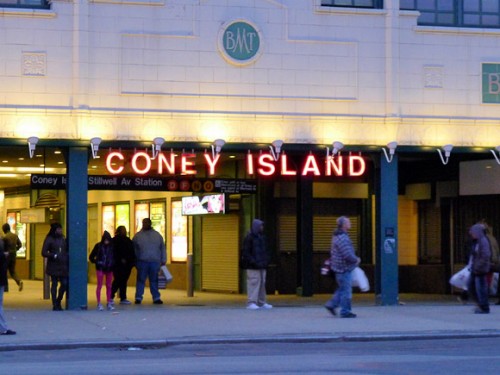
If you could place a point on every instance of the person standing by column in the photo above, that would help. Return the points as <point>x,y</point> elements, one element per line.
<point>4,329</point>
<point>151,255</point>
<point>124,256</point>
<point>480,266</point>
<point>55,249</point>
<point>343,261</point>
<point>255,259</point>
<point>102,257</point>
<point>12,243</point>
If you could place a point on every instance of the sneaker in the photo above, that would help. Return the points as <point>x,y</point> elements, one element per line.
<point>100,307</point>
<point>125,302</point>
<point>138,302</point>
<point>21,286</point>
<point>331,309</point>
<point>158,302</point>
<point>111,303</point>
<point>266,306</point>
<point>8,332</point>
<point>252,306</point>
<point>348,315</point>
<point>481,311</point>
<point>110,306</point>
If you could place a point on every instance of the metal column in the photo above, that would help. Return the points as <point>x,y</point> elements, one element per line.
<point>77,200</point>
<point>386,279</point>
<point>305,236</point>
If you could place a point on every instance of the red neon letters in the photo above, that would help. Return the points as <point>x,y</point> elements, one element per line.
<point>263,165</point>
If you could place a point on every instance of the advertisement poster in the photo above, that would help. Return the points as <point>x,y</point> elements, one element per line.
<point>204,205</point>
<point>179,233</point>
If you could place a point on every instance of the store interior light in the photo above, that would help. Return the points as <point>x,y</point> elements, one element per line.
<point>156,146</point>
<point>447,151</point>
<point>392,150</point>
<point>275,148</point>
<point>495,155</point>
<point>94,146</point>
<point>32,142</point>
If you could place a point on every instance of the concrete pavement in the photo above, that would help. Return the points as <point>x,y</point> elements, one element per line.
<point>220,318</point>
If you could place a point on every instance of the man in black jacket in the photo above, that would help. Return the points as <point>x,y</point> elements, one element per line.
<point>255,259</point>
<point>124,262</point>
<point>4,329</point>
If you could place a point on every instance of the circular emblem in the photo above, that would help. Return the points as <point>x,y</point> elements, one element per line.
<point>240,42</point>
<point>184,185</point>
<point>172,185</point>
<point>208,186</point>
<point>196,186</point>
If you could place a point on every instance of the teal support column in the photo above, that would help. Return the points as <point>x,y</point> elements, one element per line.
<point>305,236</point>
<point>386,275</point>
<point>77,199</point>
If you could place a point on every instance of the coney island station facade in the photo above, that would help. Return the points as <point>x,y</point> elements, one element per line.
<point>203,115</point>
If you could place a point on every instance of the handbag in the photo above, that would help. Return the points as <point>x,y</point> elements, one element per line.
<point>461,278</point>
<point>360,280</point>
<point>167,274</point>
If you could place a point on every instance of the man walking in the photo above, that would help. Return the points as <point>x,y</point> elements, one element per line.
<point>343,261</point>
<point>12,243</point>
<point>255,259</point>
<point>4,329</point>
<point>151,255</point>
<point>480,266</point>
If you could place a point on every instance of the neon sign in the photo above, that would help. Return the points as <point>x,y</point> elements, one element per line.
<point>262,165</point>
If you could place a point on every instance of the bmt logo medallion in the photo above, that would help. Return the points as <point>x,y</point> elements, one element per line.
<point>240,42</point>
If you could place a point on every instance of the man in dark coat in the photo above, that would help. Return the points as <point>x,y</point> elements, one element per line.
<point>480,266</point>
<point>255,259</point>
<point>4,329</point>
<point>12,243</point>
<point>56,251</point>
<point>124,262</point>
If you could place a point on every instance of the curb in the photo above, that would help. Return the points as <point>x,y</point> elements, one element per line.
<point>302,339</point>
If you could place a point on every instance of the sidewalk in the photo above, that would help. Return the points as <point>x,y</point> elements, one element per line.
<point>219,318</point>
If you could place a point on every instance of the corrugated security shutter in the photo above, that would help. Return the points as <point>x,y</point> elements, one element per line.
<point>220,253</point>
<point>323,227</point>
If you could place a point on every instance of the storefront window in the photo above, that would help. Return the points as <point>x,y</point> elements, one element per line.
<point>41,4</point>
<point>179,233</point>
<point>13,219</point>
<point>155,211</point>
<point>114,215</point>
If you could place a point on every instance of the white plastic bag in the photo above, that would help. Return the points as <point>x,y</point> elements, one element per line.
<point>494,284</point>
<point>360,280</point>
<point>461,278</point>
<point>167,274</point>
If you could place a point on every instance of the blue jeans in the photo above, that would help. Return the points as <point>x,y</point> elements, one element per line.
<point>147,270</point>
<point>343,295</point>
<point>3,323</point>
<point>478,288</point>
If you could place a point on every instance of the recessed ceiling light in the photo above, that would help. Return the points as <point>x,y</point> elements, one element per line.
<point>38,155</point>
<point>42,165</point>
<point>57,152</point>
<point>94,166</point>
<point>232,156</point>
<point>5,161</point>
<point>20,159</point>
<point>60,162</point>
<point>488,167</point>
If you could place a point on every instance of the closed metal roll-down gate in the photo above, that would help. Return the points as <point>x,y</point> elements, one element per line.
<point>220,253</point>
